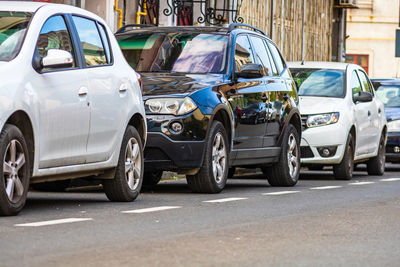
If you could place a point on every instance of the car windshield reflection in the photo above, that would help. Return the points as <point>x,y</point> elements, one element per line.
<point>389,95</point>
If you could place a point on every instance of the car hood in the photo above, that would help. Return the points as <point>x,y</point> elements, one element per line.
<point>316,105</point>
<point>392,114</point>
<point>176,84</point>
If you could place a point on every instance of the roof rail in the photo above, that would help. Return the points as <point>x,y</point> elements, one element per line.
<point>232,26</point>
<point>123,29</point>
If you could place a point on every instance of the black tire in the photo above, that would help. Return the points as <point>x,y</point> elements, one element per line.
<point>376,165</point>
<point>55,186</point>
<point>231,172</point>
<point>14,179</point>
<point>281,174</point>
<point>344,170</point>
<point>151,179</point>
<point>315,167</point>
<point>205,181</point>
<point>126,184</point>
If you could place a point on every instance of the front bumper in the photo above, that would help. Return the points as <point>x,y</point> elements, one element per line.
<point>393,147</point>
<point>323,136</point>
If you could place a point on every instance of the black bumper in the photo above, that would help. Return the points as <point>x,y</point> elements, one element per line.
<point>162,153</point>
<point>393,147</point>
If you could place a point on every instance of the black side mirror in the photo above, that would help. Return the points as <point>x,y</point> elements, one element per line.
<point>363,97</point>
<point>251,70</point>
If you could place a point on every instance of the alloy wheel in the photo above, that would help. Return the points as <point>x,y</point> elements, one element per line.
<point>292,155</point>
<point>133,163</point>
<point>219,161</point>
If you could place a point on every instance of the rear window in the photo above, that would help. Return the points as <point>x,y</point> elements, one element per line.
<point>319,82</point>
<point>175,52</point>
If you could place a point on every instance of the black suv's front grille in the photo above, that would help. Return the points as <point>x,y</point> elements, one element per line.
<point>306,152</point>
<point>303,122</point>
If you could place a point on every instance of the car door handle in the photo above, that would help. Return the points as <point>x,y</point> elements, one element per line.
<point>82,91</point>
<point>123,88</point>
<point>379,110</point>
<point>369,113</point>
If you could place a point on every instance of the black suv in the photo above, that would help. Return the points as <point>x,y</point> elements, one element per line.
<point>215,98</point>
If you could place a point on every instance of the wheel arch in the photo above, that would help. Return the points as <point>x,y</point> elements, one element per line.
<point>139,123</point>
<point>221,114</point>
<point>353,134</point>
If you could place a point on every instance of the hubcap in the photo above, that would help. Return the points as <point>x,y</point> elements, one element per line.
<point>13,171</point>
<point>133,163</point>
<point>292,155</point>
<point>218,158</point>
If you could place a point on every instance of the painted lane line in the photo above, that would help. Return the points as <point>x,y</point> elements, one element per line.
<point>326,187</point>
<point>390,180</point>
<point>225,200</point>
<point>361,183</point>
<point>53,222</point>
<point>152,209</point>
<point>280,193</point>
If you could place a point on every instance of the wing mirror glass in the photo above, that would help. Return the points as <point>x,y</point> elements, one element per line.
<point>363,97</point>
<point>251,70</point>
<point>57,58</point>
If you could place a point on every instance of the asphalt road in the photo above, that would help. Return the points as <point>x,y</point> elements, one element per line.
<point>319,222</point>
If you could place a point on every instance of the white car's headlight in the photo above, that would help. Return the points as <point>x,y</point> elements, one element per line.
<point>394,126</point>
<point>174,106</point>
<point>322,119</point>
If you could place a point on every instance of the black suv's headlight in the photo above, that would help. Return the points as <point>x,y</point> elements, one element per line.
<point>322,119</point>
<point>174,106</point>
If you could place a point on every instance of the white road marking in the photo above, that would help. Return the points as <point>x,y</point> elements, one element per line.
<point>152,209</point>
<point>361,183</point>
<point>326,187</point>
<point>390,180</point>
<point>53,222</point>
<point>280,193</point>
<point>225,200</point>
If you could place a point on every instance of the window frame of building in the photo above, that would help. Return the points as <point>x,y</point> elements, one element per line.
<point>355,60</point>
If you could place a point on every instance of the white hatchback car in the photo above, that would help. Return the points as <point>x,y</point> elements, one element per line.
<point>343,121</point>
<point>70,105</point>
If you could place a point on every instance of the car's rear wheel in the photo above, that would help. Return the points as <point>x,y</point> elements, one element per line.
<point>376,165</point>
<point>15,174</point>
<point>286,171</point>
<point>128,178</point>
<point>212,176</point>
<point>152,178</point>
<point>344,170</point>
<point>54,186</point>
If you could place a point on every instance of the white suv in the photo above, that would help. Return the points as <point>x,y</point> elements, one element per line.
<point>343,121</point>
<point>70,105</point>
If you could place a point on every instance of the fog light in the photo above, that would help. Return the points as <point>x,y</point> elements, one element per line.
<point>176,127</point>
<point>396,149</point>
<point>327,151</point>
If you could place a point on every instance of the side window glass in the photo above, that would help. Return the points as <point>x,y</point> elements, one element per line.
<point>92,45</point>
<point>280,65</point>
<point>274,70</point>
<point>106,42</point>
<point>243,52</point>
<point>262,55</point>
<point>365,82</point>
<point>355,84</point>
<point>54,35</point>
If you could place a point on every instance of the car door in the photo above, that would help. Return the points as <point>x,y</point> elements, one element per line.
<point>374,113</point>
<point>362,117</point>
<point>106,94</point>
<point>245,103</point>
<point>63,111</point>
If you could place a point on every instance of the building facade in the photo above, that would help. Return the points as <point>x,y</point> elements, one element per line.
<point>371,31</point>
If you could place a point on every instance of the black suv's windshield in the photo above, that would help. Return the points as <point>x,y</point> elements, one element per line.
<point>175,52</point>
<point>319,82</point>
<point>13,27</point>
<point>389,95</point>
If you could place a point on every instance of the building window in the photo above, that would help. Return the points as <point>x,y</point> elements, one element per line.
<point>361,60</point>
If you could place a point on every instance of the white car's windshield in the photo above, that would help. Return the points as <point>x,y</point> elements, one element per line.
<point>13,26</point>
<point>319,82</point>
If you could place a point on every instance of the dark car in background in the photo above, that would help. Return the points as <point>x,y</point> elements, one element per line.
<point>388,91</point>
<point>198,86</point>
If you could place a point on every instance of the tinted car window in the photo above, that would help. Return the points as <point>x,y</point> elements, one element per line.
<point>389,95</point>
<point>92,45</point>
<point>365,82</point>
<point>106,42</point>
<point>279,63</point>
<point>355,84</point>
<point>175,52</point>
<point>243,52</point>
<point>319,82</point>
<point>262,54</point>
<point>54,35</point>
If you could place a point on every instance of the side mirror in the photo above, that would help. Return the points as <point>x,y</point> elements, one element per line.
<point>57,58</point>
<point>251,70</point>
<point>363,97</point>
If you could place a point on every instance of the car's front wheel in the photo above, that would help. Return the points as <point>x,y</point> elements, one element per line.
<point>15,174</point>
<point>212,176</point>
<point>286,171</point>
<point>128,178</point>
<point>376,165</point>
<point>344,170</point>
